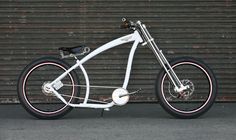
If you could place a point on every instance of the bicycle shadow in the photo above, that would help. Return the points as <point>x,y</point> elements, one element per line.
<point>152,111</point>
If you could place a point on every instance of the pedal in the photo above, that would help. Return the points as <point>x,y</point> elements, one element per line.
<point>131,93</point>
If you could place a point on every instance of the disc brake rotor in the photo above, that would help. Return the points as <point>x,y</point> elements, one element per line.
<point>185,94</point>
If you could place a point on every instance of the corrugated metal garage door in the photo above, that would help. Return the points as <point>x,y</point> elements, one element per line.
<point>203,29</point>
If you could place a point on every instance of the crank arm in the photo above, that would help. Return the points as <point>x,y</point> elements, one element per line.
<point>131,93</point>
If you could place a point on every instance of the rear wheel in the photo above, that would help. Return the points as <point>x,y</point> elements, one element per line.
<point>31,88</point>
<point>197,98</point>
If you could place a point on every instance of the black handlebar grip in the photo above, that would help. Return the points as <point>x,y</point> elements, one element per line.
<point>126,24</point>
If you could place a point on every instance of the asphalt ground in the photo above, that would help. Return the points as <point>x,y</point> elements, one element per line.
<point>129,122</point>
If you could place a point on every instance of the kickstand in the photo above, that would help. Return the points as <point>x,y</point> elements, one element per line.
<point>102,112</point>
<point>105,109</point>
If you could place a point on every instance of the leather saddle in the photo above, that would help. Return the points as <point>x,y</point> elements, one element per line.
<point>72,50</point>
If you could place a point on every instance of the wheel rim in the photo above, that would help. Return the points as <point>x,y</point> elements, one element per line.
<point>194,104</point>
<point>32,88</point>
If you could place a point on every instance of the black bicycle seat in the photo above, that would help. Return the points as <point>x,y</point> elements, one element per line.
<point>73,50</point>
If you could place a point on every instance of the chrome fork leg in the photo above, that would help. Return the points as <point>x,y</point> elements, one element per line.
<point>161,58</point>
<point>172,75</point>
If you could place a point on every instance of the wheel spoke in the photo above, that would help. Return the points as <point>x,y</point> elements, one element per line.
<point>200,92</point>
<point>33,91</point>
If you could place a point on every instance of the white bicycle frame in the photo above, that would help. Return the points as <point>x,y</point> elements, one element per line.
<point>136,39</point>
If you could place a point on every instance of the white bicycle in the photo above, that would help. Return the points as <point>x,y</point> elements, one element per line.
<point>48,88</point>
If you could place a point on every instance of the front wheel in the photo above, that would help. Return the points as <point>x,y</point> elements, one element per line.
<point>197,98</point>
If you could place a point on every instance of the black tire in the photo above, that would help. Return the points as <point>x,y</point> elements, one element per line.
<point>201,94</point>
<point>31,95</point>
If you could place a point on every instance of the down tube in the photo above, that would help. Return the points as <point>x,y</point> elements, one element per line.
<point>122,40</point>
<point>129,65</point>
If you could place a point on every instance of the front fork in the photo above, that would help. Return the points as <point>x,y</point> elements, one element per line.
<point>179,87</point>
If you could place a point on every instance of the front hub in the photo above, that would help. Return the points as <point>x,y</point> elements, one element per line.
<point>188,92</point>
